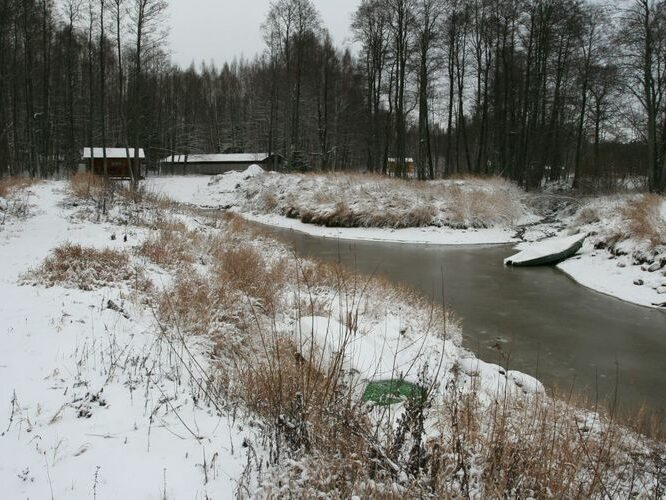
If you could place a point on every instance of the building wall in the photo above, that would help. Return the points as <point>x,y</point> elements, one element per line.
<point>203,168</point>
<point>114,166</point>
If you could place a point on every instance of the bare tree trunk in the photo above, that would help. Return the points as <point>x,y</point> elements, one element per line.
<point>102,87</point>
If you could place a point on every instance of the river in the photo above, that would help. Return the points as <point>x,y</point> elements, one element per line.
<point>536,320</point>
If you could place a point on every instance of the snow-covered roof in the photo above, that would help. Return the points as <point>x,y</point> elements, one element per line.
<point>395,160</point>
<point>112,153</point>
<point>218,158</point>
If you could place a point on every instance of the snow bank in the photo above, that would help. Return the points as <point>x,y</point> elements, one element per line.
<point>423,235</point>
<point>548,251</point>
<point>385,352</point>
<point>616,276</point>
<point>252,193</point>
<point>253,170</point>
<point>625,254</point>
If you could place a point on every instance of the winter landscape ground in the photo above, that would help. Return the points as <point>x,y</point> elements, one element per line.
<point>153,349</point>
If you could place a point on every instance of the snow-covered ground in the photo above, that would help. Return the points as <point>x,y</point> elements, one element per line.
<point>625,254</point>
<point>106,395</point>
<point>91,402</point>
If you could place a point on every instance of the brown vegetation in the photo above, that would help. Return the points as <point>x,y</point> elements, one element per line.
<point>352,200</point>
<point>645,221</point>
<point>75,266</point>
<point>87,186</point>
<point>172,245</point>
<point>9,185</point>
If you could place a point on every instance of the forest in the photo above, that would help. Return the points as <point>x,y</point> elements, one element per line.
<point>562,91</point>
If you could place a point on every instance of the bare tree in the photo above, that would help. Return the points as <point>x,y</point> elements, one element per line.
<point>370,28</point>
<point>289,24</point>
<point>147,18</point>
<point>643,37</point>
<point>429,16</point>
<point>401,26</point>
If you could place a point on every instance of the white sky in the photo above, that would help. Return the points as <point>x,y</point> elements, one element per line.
<point>219,30</point>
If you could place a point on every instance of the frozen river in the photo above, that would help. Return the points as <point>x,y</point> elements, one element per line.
<point>535,320</point>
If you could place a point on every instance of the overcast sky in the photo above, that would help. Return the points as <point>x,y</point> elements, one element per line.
<point>219,30</point>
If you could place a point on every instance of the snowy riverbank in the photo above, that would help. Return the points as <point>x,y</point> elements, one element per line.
<point>625,253</point>
<point>615,260</point>
<point>472,212</point>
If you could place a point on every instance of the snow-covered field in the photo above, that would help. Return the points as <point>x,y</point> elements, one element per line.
<point>162,383</point>
<point>91,400</point>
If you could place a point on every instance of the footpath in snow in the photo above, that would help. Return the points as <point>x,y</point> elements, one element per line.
<point>88,394</point>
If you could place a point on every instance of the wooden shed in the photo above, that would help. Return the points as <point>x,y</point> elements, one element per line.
<point>410,167</point>
<point>214,164</point>
<point>119,161</point>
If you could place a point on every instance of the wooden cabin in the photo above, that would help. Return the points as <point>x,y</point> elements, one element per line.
<point>410,167</point>
<point>215,164</point>
<point>118,163</point>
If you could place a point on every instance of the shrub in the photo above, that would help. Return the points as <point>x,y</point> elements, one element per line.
<point>192,305</point>
<point>74,266</point>
<point>88,186</point>
<point>173,245</point>
<point>352,200</point>
<point>309,404</point>
<point>645,221</point>
<point>9,185</point>
<point>244,269</point>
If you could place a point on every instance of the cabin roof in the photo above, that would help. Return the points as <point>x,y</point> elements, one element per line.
<point>112,153</point>
<point>218,158</point>
<point>395,160</point>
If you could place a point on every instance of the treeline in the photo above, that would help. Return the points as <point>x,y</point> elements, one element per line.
<point>531,90</point>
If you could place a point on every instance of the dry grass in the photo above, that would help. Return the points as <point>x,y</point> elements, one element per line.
<point>173,244</point>
<point>587,215</point>
<point>146,197</point>
<point>354,200</point>
<point>537,447</point>
<point>9,185</point>
<point>87,186</point>
<point>310,405</point>
<point>86,268</point>
<point>481,208</point>
<point>195,306</point>
<point>244,269</point>
<point>645,221</point>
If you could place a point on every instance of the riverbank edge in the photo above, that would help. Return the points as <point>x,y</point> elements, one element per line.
<point>436,236</point>
<point>577,278</point>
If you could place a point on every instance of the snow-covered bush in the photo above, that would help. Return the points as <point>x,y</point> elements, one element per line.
<point>172,244</point>
<point>626,225</point>
<point>85,268</point>
<point>352,200</point>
